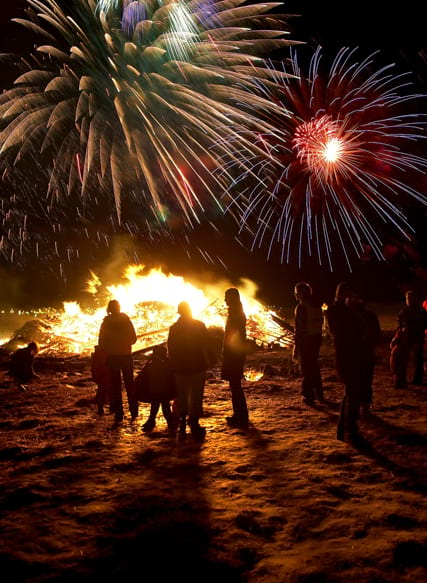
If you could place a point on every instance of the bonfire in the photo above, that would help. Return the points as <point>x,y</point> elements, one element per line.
<point>150,299</point>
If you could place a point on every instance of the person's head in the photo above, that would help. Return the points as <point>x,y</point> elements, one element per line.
<point>353,299</point>
<point>113,307</point>
<point>33,347</point>
<point>343,291</point>
<point>302,291</point>
<point>184,310</point>
<point>159,352</point>
<point>232,296</point>
<point>411,298</point>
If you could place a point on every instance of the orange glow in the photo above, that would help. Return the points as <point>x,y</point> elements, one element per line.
<point>252,374</point>
<point>151,300</point>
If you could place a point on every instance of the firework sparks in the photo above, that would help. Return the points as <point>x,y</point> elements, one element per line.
<point>345,167</point>
<point>129,98</point>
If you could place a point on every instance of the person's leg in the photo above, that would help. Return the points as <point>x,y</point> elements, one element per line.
<point>182,390</point>
<point>100,398</point>
<point>418,351</point>
<point>197,384</point>
<point>401,356</point>
<point>127,370</point>
<point>151,421</point>
<point>317,377</point>
<point>168,415</point>
<point>116,387</point>
<point>238,400</point>
<point>352,406</point>
<point>306,364</point>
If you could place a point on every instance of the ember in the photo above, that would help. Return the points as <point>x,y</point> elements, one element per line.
<point>150,299</point>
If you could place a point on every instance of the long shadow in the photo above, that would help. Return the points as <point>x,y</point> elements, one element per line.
<point>412,477</point>
<point>401,435</point>
<point>160,529</point>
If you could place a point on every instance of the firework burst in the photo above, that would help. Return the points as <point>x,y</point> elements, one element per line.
<point>345,168</point>
<point>129,98</point>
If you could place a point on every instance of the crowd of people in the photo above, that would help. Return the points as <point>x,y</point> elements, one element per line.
<point>174,376</point>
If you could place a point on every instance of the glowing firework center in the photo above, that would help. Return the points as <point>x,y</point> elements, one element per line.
<point>318,145</point>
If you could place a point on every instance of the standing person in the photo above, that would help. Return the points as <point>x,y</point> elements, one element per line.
<point>21,367</point>
<point>412,323</point>
<point>351,358</point>
<point>155,384</point>
<point>101,376</point>
<point>116,337</point>
<point>372,332</point>
<point>234,355</point>
<point>187,349</point>
<point>308,339</point>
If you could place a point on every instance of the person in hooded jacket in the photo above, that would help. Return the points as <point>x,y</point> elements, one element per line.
<point>116,337</point>
<point>308,339</point>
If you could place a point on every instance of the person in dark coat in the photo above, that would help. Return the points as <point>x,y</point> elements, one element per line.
<point>398,355</point>
<point>21,367</point>
<point>188,357</point>
<point>308,339</point>
<point>234,356</point>
<point>155,384</point>
<point>116,338</point>
<point>372,332</point>
<point>412,320</point>
<point>101,376</point>
<point>351,358</point>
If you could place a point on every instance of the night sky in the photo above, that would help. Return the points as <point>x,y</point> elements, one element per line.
<point>397,31</point>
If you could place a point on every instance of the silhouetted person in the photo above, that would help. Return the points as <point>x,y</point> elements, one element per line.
<point>351,358</point>
<point>101,376</point>
<point>187,349</point>
<point>234,355</point>
<point>155,384</point>
<point>308,339</point>
<point>21,365</point>
<point>372,334</point>
<point>398,356</point>
<point>412,321</point>
<point>116,337</point>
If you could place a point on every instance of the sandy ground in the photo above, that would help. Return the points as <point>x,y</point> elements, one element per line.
<point>283,501</point>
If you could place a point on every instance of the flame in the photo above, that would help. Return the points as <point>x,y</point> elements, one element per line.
<point>151,300</point>
<point>253,374</point>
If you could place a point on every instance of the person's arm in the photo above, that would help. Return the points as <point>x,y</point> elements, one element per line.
<point>132,333</point>
<point>101,336</point>
<point>401,320</point>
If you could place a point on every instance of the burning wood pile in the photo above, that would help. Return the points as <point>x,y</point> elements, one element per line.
<point>150,300</point>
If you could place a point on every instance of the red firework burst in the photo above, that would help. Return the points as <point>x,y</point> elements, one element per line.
<point>343,163</point>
